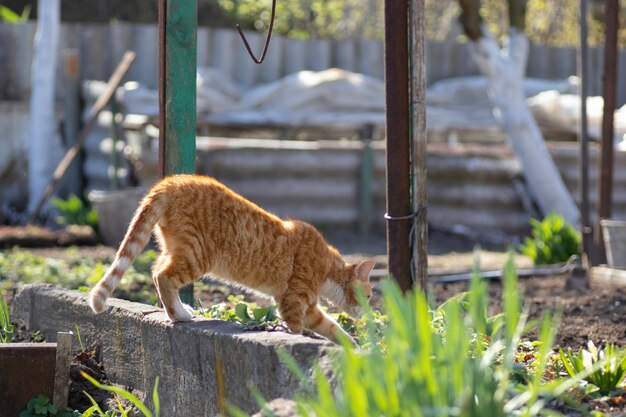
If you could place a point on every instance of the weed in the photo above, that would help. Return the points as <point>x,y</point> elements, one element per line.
<point>80,339</point>
<point>7,330</point>
<point>256,315</point>
<point>74,211</point>
<point>96,411</point>
<point>452,361</point>
<point>250,314</point>
<point>130,397</point>
<point>40,406</point>
<point>605,369</point>
<point>9,16</point>
<point>77,273</point>
<point>552,240</point>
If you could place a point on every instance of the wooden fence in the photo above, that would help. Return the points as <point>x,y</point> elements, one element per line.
<point>101,46</point>
<point>475,190</point>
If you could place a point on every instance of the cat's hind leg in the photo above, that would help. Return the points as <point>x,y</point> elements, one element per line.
<point>172,275</point>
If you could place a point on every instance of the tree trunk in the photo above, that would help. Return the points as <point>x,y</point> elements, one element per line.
<point>43,146</point>
<point>504,70</point>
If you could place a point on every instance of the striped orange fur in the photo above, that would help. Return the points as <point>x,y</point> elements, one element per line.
<point>203,227</point>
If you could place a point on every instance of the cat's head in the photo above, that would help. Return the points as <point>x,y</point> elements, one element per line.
<point>343,291</point>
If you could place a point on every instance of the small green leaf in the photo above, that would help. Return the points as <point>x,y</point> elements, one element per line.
<point>242,312</point>
<point>260,312</point>
<point>271,314</point>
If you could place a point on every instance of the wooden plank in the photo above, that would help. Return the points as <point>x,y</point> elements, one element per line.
<point>223,46</point>
<point>146,47</point>
<point>434,61</point>
<point>294,54</point>
<point>27,371</point>
<point>271,69</point>
<point>121,39</point>
<point>62,370</point>
<point>371,57</point>
<point>344,54</point>
<point>538,64</point>
<point>24,37</point>
<point>318,54</point>
<point>596,69</point>
<point>563,62</point>
<point>621,78</point>
<point>92,58</point>
<point>204,46</point>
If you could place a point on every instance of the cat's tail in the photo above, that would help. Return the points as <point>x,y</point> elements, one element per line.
<point>146,217</point>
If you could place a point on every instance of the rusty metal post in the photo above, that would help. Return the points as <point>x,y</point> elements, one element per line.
<point>605,187</point>
<point>398,146</point>
<point>583,60</point>
<point>178,25</point>
<point>610,97</point>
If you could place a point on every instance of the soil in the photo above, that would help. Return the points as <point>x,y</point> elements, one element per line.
<point>39,237</point>
<point>595,314</point>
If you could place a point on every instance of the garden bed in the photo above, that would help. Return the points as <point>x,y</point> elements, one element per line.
<point>594,314</point>
<point>199,363</point>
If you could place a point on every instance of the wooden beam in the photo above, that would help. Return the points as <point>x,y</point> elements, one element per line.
<point>418,140</point>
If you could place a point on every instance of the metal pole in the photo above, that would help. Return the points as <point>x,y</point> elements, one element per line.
<point>398,146</point>
<point>583,53</point>
<point>178,25</point>
<point>418,136</point>
<point>610,92</point>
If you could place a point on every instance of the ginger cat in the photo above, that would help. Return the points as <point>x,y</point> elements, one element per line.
<point>203,227</point>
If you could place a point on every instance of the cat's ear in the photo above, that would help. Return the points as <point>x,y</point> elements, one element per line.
<point>363,270</point>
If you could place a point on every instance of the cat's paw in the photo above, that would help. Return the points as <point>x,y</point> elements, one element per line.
<point>189,309</point>
<point>181,313</point>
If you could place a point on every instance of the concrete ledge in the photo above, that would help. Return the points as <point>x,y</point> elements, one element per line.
<point>201,365</point>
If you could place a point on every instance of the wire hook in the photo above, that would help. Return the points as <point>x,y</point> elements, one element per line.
<point>267,38</point>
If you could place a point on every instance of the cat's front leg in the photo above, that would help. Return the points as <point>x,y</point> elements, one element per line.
<point>319,322</point>
<point>291,309</point>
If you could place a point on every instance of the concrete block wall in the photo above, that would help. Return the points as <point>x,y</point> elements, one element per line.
<point>201,365</point>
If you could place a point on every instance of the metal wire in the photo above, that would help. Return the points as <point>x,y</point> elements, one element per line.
<point>414,217</point>
<point>267,38</point>
<point>408,216</point>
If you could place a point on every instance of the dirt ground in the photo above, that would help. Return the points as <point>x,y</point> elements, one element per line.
<point>596,314</point>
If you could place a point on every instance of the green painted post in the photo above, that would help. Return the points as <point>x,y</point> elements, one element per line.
<point>178,25</point>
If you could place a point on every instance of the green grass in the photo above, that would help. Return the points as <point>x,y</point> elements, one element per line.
<point>552,240</point>
<point>76,272</point>
<point>8,333</point>
<point>40,406</point>
<point>453,361</point>
<point>603,368</point>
